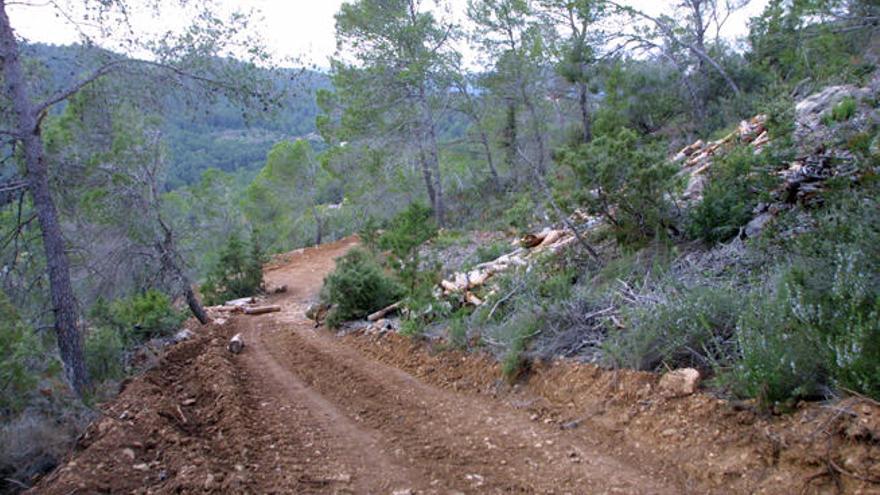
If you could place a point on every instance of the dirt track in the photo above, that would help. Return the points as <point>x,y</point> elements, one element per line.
<point>302,411</point>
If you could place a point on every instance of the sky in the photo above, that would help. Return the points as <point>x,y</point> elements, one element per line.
<point>300,29</point>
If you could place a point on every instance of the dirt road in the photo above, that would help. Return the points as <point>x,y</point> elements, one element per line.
<point>303,411</point>
<point>347,422</point>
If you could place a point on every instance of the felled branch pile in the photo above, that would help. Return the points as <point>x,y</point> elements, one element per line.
<point>246,305</point>
<point>698,156</point>
<point>464,283</point>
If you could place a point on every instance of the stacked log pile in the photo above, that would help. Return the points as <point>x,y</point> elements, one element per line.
<point>552,241</point>
<point>697,158</point>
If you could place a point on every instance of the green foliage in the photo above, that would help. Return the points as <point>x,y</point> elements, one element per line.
<point>237,273</point>
<point>795,40</point>
<point>735,183</point>
<point>105,354</point>
<point>138,318</point>
<point>521,214</point>
<point>489,252</point>
<point>519,330</point>
<point>625,181</point>
<point>777,362</point>
<point>817,329</point>
<point>692,328</point>
<point>369,233</point>
<point>19,352</point>
<point>357,287</point>
<point>844,110</point>
<point>408,230</point>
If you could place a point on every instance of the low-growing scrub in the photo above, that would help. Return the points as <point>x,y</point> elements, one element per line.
<point>20,356</point>
<point>689,328</point>
<point>357,287</point>
<point>736,182</point>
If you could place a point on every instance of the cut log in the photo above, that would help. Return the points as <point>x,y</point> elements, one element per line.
<point>461,281</point>
<point>225,309</point>
<point>551,238</point>
<point>477,278</point>
<point>448,286</point>
<point>378,315</point>
<point>260,310</point>
<point>236,344</point>
<point>244,301</point>
<point>472,299</point>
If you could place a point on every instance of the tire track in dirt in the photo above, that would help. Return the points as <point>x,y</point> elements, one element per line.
<point>379,429</point>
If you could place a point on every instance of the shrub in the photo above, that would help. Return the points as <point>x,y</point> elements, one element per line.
<point>237,273</point>
<point>625,181</point>
<point>490,252</point>
<point>521,213</point>
<point>844,110</point>
<point>693,328</point>
<point>369,233</point>
<point>513,338</point>
<point>105,354</point>
<point>19,351</point>
<point>140,317</point>
<point>843,316</point>
<point>409,230</point>
<point>778,361</point>
<point>357,287</point>
<point>729,198</point>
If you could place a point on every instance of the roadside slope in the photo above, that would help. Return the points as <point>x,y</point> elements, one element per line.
<point>303,411</point>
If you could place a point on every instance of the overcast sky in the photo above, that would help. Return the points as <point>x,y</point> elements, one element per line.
<point>291,28</point>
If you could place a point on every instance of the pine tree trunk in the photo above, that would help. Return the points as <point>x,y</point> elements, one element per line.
<point>168,256</point>
<point>433,156</point>
<point>195,306</point>
<point>427,175</point>
<point>319,227</point>
<point>510,135</point>
<point>70,345</point>
<point>586,120</point>
<point>490,161</point>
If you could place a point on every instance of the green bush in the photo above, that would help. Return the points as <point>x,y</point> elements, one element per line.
<point>19,352</point>
<point>730,196</point>
<point>105,354</point>
<point>409,230</point>
<point>514,337</point>
<point>139,318</point>
<point>844,110</point>
<point>238,273</point>
<point>357,287</point>
<point>625,181</point>
<point>778,361</point>
<point>369,233</point>
<point>521,213</point>
<point>695,328</point>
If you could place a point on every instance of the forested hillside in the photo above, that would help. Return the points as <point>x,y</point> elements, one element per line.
<point>218,135</point>
<point>529,179</point>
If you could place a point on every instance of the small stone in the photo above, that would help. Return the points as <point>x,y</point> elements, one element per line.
<point>209,481</point>
<point>141,467</point>
<point>405,491</point>
<point>680,383</point>
<point>128,453</point>
<point>570,425</point>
